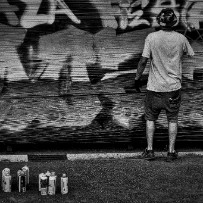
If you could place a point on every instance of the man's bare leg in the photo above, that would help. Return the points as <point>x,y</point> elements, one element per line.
<point>172,130</point>
<point>150,134</point>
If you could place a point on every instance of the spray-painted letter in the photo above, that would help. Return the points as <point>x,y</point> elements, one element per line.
<point>64,9</point>
<point>31,18</point>
<point>9,11</point>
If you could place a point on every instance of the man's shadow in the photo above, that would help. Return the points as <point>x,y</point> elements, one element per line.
<point>105,115</point>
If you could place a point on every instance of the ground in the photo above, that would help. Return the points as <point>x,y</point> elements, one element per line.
<point>115,180</point>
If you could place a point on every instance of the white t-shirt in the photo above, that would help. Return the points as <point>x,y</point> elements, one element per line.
<point>166,49</point>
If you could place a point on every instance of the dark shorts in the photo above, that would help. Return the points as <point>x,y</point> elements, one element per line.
<point>157,101</point>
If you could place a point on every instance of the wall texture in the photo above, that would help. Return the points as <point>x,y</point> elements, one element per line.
<point>65,66</point>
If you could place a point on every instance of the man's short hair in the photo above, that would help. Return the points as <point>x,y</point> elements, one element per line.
<point>167,18</point>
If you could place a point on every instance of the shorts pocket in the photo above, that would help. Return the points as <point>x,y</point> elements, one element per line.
<point>174,102</point>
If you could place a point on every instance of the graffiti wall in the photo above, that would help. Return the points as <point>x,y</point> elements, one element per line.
<point>93,15</point>
<point>66,68</point>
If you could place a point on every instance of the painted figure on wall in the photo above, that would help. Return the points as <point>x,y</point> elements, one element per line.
<point>114,34</point>
<point>42,17</point>
<point>48,17</point>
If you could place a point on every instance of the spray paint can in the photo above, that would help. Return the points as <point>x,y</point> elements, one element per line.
<point>43,184</point>
<point>26,171</point>
<point>21,181</point>
<point>6,180</point>
<point>39,180</point>
<point>4,171</point>
<point>64,184</point>
<point>48,176</point>
<point>7,183</point>
<point>52,184</point>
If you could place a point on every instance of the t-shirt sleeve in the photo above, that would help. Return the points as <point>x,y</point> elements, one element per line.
<point>188,50</point>
<point>147,50</point>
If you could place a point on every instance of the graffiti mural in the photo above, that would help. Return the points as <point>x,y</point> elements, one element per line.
<point>66,67</point>
<point>129,14</point>
<point>28,14</point>
<point>42,17</point>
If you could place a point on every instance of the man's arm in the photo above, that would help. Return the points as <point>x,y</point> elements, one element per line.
<point>141,66</point>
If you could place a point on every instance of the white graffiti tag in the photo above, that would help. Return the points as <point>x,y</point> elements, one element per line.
<point>128,17</point>
<point>31,18</point>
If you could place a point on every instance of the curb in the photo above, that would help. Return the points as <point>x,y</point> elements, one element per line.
<point>83,156</point>
<point>14,158</point>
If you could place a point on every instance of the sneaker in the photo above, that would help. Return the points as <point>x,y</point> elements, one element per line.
<point>171,156</point>
<point>148,155</point>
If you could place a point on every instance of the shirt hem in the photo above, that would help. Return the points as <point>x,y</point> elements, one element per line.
<point>171,90</point>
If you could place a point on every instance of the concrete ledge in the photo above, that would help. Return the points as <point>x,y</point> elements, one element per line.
<point>200,153</point>
<point>85,156</point>
<point>89,156</point>
<point>14,158</point>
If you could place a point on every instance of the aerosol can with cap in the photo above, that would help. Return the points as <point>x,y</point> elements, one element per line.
<point>26,170</point>
<point>52,184</point>
<point>21,181</point>
<point>6,180</point>
<point>64,184</point>
<point>43,184</point>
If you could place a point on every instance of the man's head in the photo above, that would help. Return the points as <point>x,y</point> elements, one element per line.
<point>167,18</point>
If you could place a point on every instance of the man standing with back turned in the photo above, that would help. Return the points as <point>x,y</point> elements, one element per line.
<point>165,49</point>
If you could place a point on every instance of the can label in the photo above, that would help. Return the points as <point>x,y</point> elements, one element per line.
<point>43,185</point>
<point>40,175</point>
<point>25,169</point>
<point>52,185</point>
<point>21,181</point>
<point>64,185</point>
<point>6,180</point>
<point>5,171</point>
<point>22,185</point>
<point>7,183</point>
